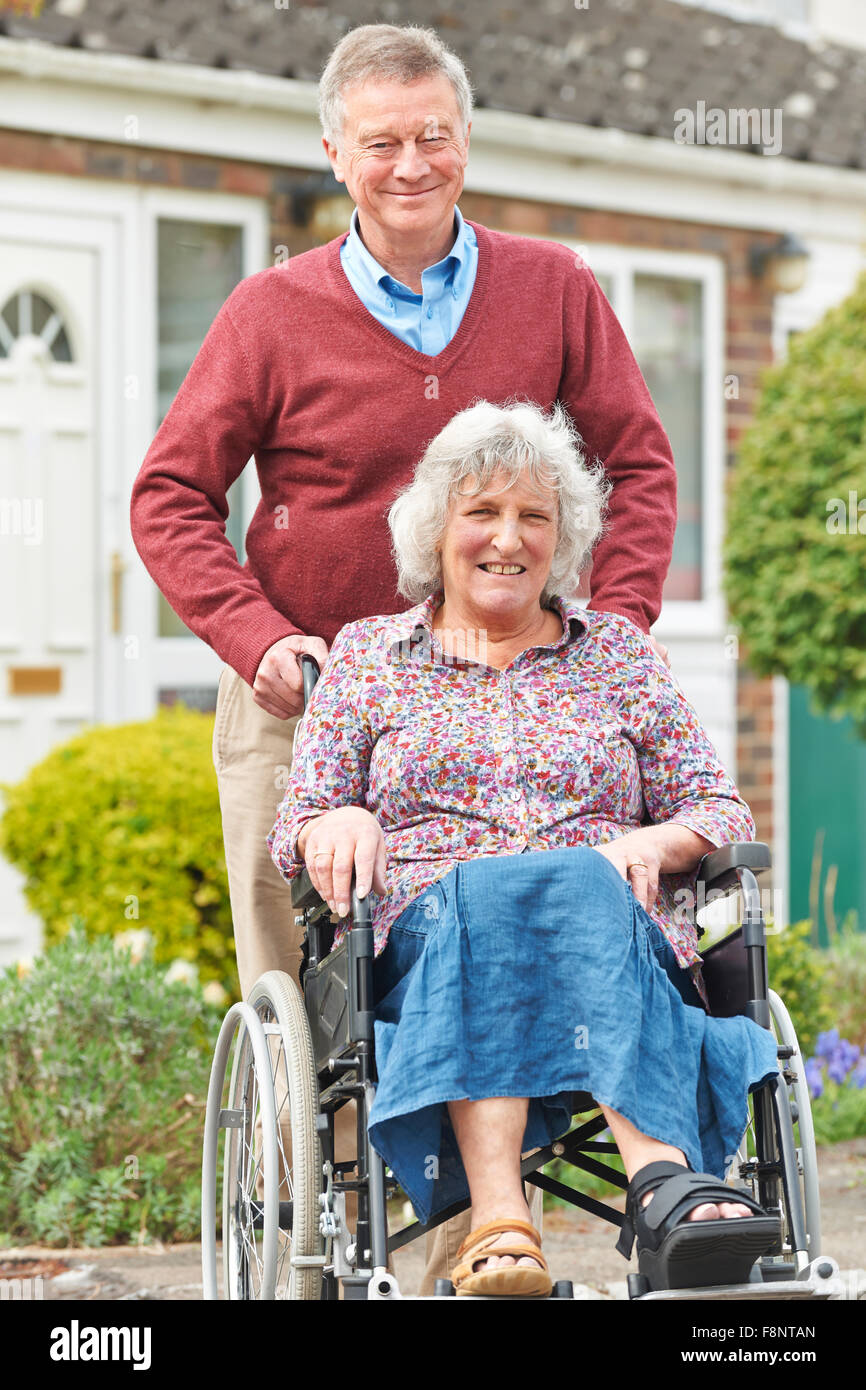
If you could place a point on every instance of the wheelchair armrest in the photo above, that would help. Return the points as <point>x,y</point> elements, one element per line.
<point>305,895</point>
<point>718,868</point>
<point>303,892</point>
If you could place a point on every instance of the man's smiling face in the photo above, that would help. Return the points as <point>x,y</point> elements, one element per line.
<point>402,156</point>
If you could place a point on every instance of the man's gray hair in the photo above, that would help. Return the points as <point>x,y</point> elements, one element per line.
<point>519,439</point>
<point>382,52</point>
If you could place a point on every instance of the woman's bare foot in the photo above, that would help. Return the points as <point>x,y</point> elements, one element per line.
<point>638,1149</point>
<point>708,1211</point>
<point>507,1238</point>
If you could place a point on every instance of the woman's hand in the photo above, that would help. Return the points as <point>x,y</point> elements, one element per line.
<point>336,843</point>
<point>643,854</point>
<point>638,862</point>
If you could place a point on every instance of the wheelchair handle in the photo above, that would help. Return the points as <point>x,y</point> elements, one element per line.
<point>310,673</point>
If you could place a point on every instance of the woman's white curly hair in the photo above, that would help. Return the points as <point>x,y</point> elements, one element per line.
<point>519,439</point>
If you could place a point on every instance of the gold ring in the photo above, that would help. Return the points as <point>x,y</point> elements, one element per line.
<point>325,854</point>
<point>638,864</point>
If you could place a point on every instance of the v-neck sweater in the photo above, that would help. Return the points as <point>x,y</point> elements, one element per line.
<point>337,411</point>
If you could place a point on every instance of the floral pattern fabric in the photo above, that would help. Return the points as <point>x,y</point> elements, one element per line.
<point>574,743</point>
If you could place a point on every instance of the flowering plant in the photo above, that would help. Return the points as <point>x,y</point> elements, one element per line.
<point>842,1060</point>
<point>836,1076</point>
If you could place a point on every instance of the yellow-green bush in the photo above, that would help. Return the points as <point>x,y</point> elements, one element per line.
<point>120,828</point>
<point>797,972</point>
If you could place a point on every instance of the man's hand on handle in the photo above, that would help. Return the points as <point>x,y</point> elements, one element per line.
<point>279,683</point>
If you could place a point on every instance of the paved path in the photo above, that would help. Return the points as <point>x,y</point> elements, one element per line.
<point>577,1247</point>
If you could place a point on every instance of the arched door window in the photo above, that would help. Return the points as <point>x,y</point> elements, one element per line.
<point>27,313</point>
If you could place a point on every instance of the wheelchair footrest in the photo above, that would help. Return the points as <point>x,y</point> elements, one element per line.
<point>818,1280</point>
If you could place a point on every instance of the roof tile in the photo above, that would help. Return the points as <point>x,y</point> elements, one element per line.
<point>627,64</point>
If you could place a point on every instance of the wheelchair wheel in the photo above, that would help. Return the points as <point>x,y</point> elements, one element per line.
<point>272,1172</point>
<point>251,1045</point>
<point>797,1195</point>
<point>300,1254</point>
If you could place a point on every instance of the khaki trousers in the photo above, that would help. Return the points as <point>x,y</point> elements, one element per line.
<point>252,753</point>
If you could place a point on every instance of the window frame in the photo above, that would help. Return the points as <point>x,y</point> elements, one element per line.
<point>188,660</point>
<point>684,617</point>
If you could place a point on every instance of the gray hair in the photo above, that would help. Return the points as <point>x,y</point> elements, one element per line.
<point>378,52</point>
<point>477,442</point>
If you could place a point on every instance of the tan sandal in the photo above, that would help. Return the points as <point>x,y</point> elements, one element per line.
<point>505,1280</point>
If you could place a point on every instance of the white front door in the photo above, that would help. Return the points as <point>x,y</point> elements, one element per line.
<point>49,513</point>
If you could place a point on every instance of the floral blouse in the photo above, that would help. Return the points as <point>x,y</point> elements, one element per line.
<point>574,743</point>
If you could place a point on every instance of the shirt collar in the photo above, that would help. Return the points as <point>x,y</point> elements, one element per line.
<point>404,626</point>
<point>455,259</point>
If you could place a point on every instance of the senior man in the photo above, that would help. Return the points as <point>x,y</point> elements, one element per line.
<point>335,370</point>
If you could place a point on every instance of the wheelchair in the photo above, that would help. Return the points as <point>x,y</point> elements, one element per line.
<point>289,1057</point>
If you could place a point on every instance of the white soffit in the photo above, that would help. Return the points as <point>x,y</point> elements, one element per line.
<point>193,109</point>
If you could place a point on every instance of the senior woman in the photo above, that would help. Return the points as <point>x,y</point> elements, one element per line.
<point>487,763</point>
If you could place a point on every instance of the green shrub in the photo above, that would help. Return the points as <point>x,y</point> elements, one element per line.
<point>837,1084</point>
<point>797,972</point>
<point>120,827</point>
<point>104,1069</point>
<point>846,981</point>
<point>839,1114</point>
<point>793,554</point>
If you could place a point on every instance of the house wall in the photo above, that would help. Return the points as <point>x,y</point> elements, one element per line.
<point>748,349</point>
<point>748,310</point>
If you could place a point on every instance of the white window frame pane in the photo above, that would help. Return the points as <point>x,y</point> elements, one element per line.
<point>704,616</point>
<point>187,660</point>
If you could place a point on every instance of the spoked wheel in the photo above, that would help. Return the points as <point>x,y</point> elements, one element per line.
<point>795,1194</point>
<point>272,1171</point>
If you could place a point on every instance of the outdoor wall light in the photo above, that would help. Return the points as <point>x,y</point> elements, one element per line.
<point>782,264</point>
<point>323,206</point>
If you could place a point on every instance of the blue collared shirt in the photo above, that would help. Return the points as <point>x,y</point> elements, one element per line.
<point>426,321</point>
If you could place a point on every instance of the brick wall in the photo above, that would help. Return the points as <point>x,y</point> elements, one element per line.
<point>748,321</point>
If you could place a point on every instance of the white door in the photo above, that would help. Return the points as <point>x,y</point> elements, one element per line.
<point>48,516</point>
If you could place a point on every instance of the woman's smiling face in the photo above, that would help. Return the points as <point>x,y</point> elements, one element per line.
<point>512,528</point>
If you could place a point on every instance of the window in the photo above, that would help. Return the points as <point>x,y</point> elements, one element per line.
<point>198,266</point>
<point>26,314</point>
<point>667,343</point>
<point>670,308</point>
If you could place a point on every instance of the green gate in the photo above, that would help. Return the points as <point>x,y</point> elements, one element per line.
<point>827,808</point>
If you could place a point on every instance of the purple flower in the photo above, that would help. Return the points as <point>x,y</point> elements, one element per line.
<point>844,1056</point>
<point>814,1078</point>
<point>858,1075</point>
<point>826,1044</point>
<point>851,1051</point>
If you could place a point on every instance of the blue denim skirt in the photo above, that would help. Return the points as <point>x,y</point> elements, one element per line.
<point>539,974</point>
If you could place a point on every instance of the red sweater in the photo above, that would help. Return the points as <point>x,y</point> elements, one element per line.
<point>338,411</point>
